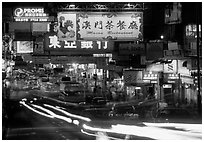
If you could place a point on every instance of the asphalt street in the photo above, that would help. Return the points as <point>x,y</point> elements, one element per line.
<point>36,118</point>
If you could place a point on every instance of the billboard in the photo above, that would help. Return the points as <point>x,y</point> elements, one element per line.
<point>25,14</point>
<point>66,26</point>
<point>52,43</point>
<point>116,26</point>
<point>24,46</point>
<point>100,26</point>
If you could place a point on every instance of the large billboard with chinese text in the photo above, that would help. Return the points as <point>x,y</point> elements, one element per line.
<point>113,26</point>
<point>100,26</point>
<point>52,43</point>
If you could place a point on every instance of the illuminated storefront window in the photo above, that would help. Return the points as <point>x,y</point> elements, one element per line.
<point>191,30</point>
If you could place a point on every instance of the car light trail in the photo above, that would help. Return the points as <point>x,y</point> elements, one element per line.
<point>76,122</point>
<point>69,120</point>
<point>150,132</point>
<point>69,114</point>
<point>99,137</point>
<point>153,132</point>
<point>41,113</point>
<point>188,127</point>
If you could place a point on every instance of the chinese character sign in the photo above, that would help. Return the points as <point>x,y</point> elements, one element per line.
<point>117,26</point>
<point>52,42</point>
<point>66,26</point>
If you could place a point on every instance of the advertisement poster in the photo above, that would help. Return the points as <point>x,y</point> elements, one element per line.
<point>24,47</point>
<point>66,26</point>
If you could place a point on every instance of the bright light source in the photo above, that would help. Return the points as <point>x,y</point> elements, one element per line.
<point>162,37</point>
<point>76,122</point>
<point>75,65</point>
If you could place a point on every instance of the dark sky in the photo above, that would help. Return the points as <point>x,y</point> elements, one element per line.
<point>153,14</point>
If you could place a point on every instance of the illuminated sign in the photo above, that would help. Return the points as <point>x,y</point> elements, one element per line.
<point>150,76</point>
<point>100,26</point>
<point>52,42</point>
<point>191,30</point>
<point>30,14</point>
<point>24,47</point>
<point>171,67</point>
<point>103,55</point>
<point>111,26</point>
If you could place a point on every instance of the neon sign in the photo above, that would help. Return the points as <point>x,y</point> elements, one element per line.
<point>30,14</point>
<point>54,43</point>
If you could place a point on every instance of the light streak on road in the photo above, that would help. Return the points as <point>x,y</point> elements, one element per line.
<point>41,113</point>
<point>99,136</point>
<point>69,120</point>
<point>195,128</point>
<point>69,114</point>
<point>157,133</point>
<point>76,122</point>
<point>149,132</point>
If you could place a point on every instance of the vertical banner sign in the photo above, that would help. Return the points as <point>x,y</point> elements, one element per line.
<point>66,27</point>
<point>110,26</point>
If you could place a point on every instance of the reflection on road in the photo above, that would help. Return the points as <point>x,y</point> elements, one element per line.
<point>156,131</point>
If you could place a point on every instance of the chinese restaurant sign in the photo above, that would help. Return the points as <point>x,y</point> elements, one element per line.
<point>100,26</point>
<point>53,43</point>
<point>30,14</point>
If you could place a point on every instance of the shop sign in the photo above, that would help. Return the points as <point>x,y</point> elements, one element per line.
<point>132,76</point>
<point>52,42</point>
<point>191,30</point>
<point>171,67</point>
<point>182,67</point>
<point>40,26</point>
<point>113,26</point>
<point>103,55</point>
<point>172,76</point>
<point>187,79</point>
<point>150,76</point>
<point>173,53</point>
<point>24,46</point>
<point>126,48</point>
<point>30,14</point>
